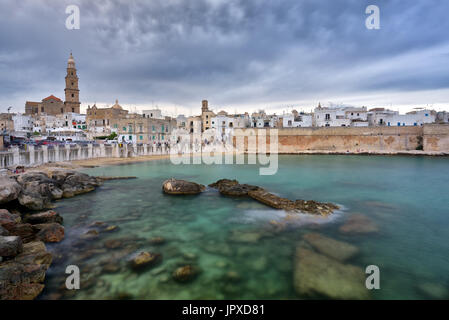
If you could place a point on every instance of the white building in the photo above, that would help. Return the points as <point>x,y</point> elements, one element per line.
<point>414,118</point>
<point>379,116</point>
<point>23,124</point>
<point>261,120</point>
<point>194,124</point>
<point>340,117</point>
<point>295,120</point>
<point>153,113</point>
<point>181,121</point>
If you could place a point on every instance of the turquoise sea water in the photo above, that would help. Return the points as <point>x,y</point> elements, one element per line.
<point>406,197</point>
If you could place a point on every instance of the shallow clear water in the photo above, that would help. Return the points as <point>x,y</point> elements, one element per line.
<point>406,197</point>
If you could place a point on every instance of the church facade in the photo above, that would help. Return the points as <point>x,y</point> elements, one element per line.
<point>52,105</point>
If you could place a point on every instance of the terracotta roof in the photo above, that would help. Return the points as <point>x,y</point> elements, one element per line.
<point>52,97</point>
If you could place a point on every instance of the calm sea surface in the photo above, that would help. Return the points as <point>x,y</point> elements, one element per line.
<point>232,242</point>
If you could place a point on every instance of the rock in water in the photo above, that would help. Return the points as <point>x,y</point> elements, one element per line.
<point>318,276</point>
<point>359,224</point>
<point>44,217</point>
<point>185,273</point>
<point>10,246</point>
<point>9,189</point>
<point>173,186</point>
<point>332,248</point>
<point>49,232</point>
<point>311,206</point>
<point>22,278</point>
<point>145,259</point>
<point>233,188</point>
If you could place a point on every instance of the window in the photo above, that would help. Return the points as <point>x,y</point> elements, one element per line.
<point>73,95</point>
<point>399,124</point>
<point>124,128</point>
<point>141,137</point>
<point>130,138</point>
<point>62,110</point>
<point>115,125</point>
<point>154,138</point>
<point>154,129</point>
<point>73,109</point>
<point>162,137</point>
<point>328,116</point>
<point>426,114</point>
<point>42,109</point>
<point>162,127</point>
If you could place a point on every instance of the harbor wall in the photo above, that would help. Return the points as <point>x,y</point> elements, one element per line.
<point>433,138</point>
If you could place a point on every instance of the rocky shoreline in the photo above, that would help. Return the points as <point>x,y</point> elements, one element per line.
<point>27,222</point>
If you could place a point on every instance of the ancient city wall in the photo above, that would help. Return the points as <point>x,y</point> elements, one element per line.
<point>436,137</point>
<point>369,139</point>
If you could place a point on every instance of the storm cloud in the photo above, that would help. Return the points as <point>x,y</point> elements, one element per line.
<point>239,54</point>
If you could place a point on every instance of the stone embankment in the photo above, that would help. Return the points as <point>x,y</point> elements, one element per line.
<point>27,222</point>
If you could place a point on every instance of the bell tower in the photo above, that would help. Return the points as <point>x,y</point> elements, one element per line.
<point>72,93</point>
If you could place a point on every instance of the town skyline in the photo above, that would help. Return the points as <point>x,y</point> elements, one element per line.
<point>239,55</point>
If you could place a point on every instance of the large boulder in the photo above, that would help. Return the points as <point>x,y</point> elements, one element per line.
<point>332,248</point>
<point>8,220</point>
<point>9,189</point>
<point>23,230</point>
<point>43,217</point>
<point>37,190</point>
<point>21,278</point>
<point>76,183</point>
<point>10,246</point>
<point>174,186</point>
<point>49,232</point>
<point>318,276</point>
<point>233,188</point>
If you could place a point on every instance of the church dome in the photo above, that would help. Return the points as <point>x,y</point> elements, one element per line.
<point>116,105</point>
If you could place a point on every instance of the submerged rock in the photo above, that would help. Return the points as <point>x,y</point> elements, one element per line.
<point>185,273</point>
<point>245,236</point>
<point>145,259</point>
<point>174,186</point>
<point>157,241</point>
<point>22,277</point>
<point>330,247</point>
<point>434,290</point>
<point>316,275</point>
<point>91,234</point>
<point>49,232</point>
<point>359,224</point>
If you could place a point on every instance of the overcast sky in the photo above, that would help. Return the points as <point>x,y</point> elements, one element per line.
<point>241,55</point>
